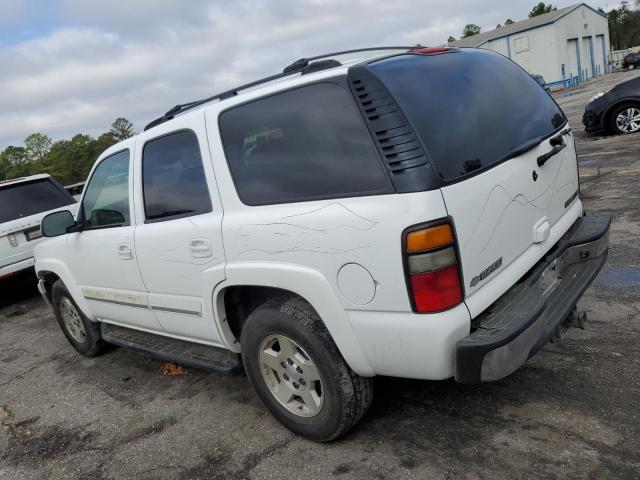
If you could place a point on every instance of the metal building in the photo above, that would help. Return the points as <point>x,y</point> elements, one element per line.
<point>567,46</point>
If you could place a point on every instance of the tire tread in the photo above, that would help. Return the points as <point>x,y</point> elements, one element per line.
<point>359,390</point>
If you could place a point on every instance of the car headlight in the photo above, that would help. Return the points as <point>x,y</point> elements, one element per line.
<point>600,94</point>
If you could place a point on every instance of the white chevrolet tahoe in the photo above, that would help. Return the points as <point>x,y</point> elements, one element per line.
<point>414,213</point>
<point>24,202</point>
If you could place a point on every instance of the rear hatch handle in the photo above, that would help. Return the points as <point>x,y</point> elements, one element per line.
<point>558,146</point>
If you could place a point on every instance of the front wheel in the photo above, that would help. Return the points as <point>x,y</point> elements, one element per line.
<point>625,119</point>
<point>82,333</point>
<point>298,372</point>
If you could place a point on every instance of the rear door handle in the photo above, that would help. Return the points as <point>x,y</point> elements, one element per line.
<point>542,159</point>
<point>125,252</point>
<point>200,248</point>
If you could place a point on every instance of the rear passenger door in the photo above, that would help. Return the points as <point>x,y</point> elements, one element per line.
<point>178,235</point>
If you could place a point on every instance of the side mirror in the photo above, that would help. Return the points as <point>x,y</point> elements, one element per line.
<point>57,223</point>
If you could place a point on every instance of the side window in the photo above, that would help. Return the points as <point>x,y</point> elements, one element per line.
<point>304,144</point>
<point>106,200</point>
<point>173,179</point>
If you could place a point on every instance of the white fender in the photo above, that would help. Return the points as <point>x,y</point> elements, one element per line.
<point>314,288</point>
<point>60,269</point>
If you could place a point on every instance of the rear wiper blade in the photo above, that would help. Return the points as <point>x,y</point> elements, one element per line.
<point>524,148</point>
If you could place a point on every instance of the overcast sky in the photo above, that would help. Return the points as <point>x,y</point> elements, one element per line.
<point>73,66</point>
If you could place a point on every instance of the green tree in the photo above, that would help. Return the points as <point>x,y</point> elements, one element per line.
<point>72,159</point>
<point>540,9</point>
<point>498,26</point>
<point>13,162</point>
<point>508,21</point>
<point>470,30</point>
<point>68,160</point>
<point>451,39</point>
<point>37,146</point>
<point>122,129</point>
<point>103,142</point>
<point>624,27</point>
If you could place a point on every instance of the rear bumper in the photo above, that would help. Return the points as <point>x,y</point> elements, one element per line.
<point>537,308</point>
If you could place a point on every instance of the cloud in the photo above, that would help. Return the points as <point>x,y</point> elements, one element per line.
<point>10,10</point>
<point>101,60</point>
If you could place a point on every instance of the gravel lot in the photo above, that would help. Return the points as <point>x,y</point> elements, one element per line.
<point>572,412</point>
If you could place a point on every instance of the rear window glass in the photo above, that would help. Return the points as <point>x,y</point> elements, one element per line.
<point>25,199</point>
<point>472,109</point>
<point>303,144</point>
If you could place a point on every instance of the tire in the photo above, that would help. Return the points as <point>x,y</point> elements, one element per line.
<point>82,333</point>
<point>332,397</point>
<point>621,109</point>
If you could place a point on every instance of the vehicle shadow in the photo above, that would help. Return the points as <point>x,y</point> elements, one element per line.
<point>18,287</point>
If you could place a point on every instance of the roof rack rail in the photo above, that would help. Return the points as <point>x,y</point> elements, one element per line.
<point>303,66</point>
<point>304,62</point>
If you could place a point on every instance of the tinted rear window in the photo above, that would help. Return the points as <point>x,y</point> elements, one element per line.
<point>304,144</point>
<point>26,199</point>
<point>472,109</point>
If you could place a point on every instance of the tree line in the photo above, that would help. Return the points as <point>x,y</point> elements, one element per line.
<point>69,161</point>
<point>624,24</point>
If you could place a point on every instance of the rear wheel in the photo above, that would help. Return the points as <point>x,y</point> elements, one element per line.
<point>82,333</point>
<point>298,372</point>
<point>625,119</point>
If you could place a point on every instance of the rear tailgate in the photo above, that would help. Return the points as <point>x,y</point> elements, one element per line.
<point>17,239</point>
<point>504,155</point>
<point>24,204</point>
<point>504,215</point>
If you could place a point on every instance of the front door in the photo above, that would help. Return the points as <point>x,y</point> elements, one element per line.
<point>178,237</point>
<point>102,255</point>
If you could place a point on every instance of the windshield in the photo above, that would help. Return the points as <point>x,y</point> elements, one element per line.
<point>25,199</point>
<point>471,108</point>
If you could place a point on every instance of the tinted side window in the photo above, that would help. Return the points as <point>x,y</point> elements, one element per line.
<point>173,178</point>
<point>472,109</point>
<point>303,144</point>
<point>106,200</point>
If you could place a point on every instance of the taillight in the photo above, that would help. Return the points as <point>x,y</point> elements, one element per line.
<point>431,263</point>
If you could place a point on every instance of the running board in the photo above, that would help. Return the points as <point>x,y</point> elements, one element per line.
<point>189,354</point>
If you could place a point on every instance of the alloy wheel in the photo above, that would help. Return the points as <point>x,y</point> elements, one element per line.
<point>291,375</point>
<point>72,321</point>
<point>628,120</point>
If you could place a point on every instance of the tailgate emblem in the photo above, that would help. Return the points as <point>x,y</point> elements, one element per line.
<point>571,199</point>
<point>486,272</point>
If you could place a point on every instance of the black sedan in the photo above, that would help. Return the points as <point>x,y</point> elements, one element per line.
<point>616,110</point>
<point>631,61</point>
